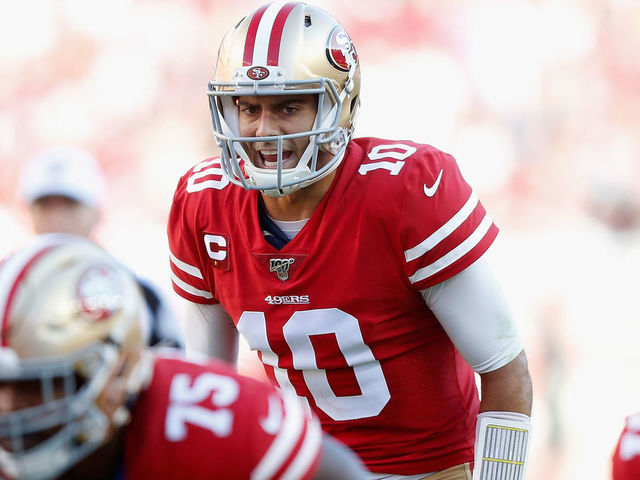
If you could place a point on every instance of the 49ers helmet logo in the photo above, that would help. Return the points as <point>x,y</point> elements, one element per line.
<point>100,292</point>
<point>341,52</point>
<point>257,73</point>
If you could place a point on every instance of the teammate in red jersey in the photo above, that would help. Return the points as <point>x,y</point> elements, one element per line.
<point>354,267</point>
<point>81,398</point>
<point>626,458</point>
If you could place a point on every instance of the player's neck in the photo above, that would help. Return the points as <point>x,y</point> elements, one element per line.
<point>300,204</point>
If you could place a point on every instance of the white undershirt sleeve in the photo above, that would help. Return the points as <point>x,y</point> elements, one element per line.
<point>209,330</point>
<point>473,311</point>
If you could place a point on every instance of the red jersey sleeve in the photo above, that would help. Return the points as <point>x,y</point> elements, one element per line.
<point>203,421</point>
<point>626,458</point>
<point>187,277</point>
<point>443,225</point>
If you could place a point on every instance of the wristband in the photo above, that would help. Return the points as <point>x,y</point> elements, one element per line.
<point>502,446</point>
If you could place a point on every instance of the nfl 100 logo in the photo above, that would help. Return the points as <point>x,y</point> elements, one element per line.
<point>281,267</point>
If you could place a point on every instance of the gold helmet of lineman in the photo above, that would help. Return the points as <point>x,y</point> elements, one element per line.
<point>280,49</point>
<point>73,325</point>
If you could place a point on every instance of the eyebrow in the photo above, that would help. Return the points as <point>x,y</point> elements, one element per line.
<point>284,103</point>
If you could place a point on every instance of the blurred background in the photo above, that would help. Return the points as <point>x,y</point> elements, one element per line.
<point>539,100</point>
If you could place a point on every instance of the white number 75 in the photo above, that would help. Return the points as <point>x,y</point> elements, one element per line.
<point>184,408</point>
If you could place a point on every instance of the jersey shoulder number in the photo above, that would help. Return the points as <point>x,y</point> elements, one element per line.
<point>206,174</point>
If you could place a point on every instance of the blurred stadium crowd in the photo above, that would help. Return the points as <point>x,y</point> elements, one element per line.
<point>539,100</point>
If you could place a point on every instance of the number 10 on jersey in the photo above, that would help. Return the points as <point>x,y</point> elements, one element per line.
<point>297,332</point>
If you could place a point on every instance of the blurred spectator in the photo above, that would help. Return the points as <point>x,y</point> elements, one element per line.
<point>64,189</point>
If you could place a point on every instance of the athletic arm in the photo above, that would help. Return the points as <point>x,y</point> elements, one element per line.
<point>508,388</point>
<point>472,309</point>
<point>209,330</point>
<point>339,462</point>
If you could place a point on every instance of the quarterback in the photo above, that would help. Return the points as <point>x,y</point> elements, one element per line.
<point>354,267</point>
<point>80,398</point>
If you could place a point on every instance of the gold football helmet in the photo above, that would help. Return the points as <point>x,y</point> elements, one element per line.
<point>72,326</point>
<point>281,49</point>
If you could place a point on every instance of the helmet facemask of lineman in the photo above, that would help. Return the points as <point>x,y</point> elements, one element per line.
<point>285,49</point>
<point>73,326</point>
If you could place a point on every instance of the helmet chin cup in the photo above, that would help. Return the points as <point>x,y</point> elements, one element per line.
<point>274,193</point>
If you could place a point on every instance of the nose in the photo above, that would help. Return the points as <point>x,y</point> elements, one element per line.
<point>267,125</point>
<point>6,398</point>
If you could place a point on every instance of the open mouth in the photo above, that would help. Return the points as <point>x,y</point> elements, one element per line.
<point>269,159</point>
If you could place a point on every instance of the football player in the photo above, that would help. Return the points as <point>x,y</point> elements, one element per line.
<point>626,458</point>
<point>354,267</point>
<point>81,398</point>
<point>63,188</point>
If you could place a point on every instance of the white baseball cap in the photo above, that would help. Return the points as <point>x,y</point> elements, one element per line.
<point>65,171</point>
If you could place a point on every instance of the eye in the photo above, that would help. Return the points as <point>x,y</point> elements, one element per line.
<point>248,109</point>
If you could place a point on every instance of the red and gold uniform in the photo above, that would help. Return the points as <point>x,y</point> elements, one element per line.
<point>217,424</point>
<point>336,315</point>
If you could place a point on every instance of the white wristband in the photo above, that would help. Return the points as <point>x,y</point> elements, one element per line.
<point>502,446</point>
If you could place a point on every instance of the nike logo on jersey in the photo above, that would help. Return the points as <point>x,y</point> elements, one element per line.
<point>431,191</point>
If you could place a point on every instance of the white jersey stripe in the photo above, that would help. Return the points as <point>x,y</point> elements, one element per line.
<point>189,288</point>
<point>282,446</point>
<point>444,231</point>
<point>185,267</point>
<point>263,35</point>
<point>455,254</point>
<point>307,453</point>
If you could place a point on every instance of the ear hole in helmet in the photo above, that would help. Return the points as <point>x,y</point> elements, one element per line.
<point>307,20</point>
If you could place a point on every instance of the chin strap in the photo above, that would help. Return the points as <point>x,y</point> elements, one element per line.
<point>502,446</point>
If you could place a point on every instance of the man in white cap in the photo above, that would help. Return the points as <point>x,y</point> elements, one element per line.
<point>64,189</point>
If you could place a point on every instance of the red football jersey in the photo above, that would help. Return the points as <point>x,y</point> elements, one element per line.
<point>203,421</point>
<point>336,315</point>
<point>626,459</point>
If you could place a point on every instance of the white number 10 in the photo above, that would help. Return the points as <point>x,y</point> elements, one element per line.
<point>387,151</point>
<point>297,333</point>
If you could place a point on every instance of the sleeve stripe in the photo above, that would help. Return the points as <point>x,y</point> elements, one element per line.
<point>185,267</point>
<point>281,448</point>
<point>307,454</point>
<point>444,231</point>
<point>188,288</point>
<point>455,254</point>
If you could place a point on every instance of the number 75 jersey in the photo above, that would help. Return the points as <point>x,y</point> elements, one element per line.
<point>336,314</point>
<point>199,420</point>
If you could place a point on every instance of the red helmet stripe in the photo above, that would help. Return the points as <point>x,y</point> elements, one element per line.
<point>4,326</point>
<point>250,42</point>
<point>276,33</point>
